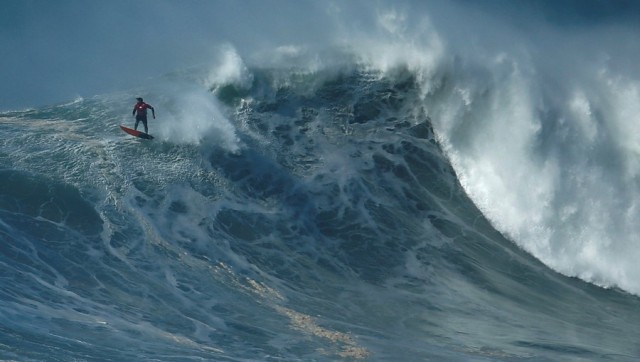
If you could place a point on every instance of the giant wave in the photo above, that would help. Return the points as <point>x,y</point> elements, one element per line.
<point>392,199</point>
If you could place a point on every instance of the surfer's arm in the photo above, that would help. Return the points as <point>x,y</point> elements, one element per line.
<point>153,112</point>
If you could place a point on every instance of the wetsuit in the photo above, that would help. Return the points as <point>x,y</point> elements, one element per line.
<point>140,110</point>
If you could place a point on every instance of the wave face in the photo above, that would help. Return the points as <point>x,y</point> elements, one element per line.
<point>404,195</point>
<point>292,215</point>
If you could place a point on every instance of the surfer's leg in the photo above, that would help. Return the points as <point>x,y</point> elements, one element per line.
<point>136,126</point>
<point>144,122</point>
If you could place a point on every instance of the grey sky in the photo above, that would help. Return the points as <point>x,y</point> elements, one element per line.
<point>53,51</point>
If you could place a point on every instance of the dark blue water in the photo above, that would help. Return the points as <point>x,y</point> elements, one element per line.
<point>317,219</point>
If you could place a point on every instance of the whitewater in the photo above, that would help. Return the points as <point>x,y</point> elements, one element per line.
<point>397,194</point>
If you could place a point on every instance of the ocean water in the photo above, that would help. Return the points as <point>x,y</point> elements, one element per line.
<point>401,198</point>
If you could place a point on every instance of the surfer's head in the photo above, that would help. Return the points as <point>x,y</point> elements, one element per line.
<point>139,99</point>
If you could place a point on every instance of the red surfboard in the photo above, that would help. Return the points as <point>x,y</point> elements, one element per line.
<point>136,133</point>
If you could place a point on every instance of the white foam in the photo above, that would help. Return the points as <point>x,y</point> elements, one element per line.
<point>189,113</point>
<point>228,68</point>
<point>549,152</point>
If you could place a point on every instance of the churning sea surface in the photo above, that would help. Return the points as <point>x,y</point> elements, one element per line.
<point>328,207</point>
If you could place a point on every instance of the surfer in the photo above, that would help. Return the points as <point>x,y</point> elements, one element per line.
<point>140,111</point>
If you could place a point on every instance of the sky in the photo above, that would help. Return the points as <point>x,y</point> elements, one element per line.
<point>59,50</point>
<point>55,51</point>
